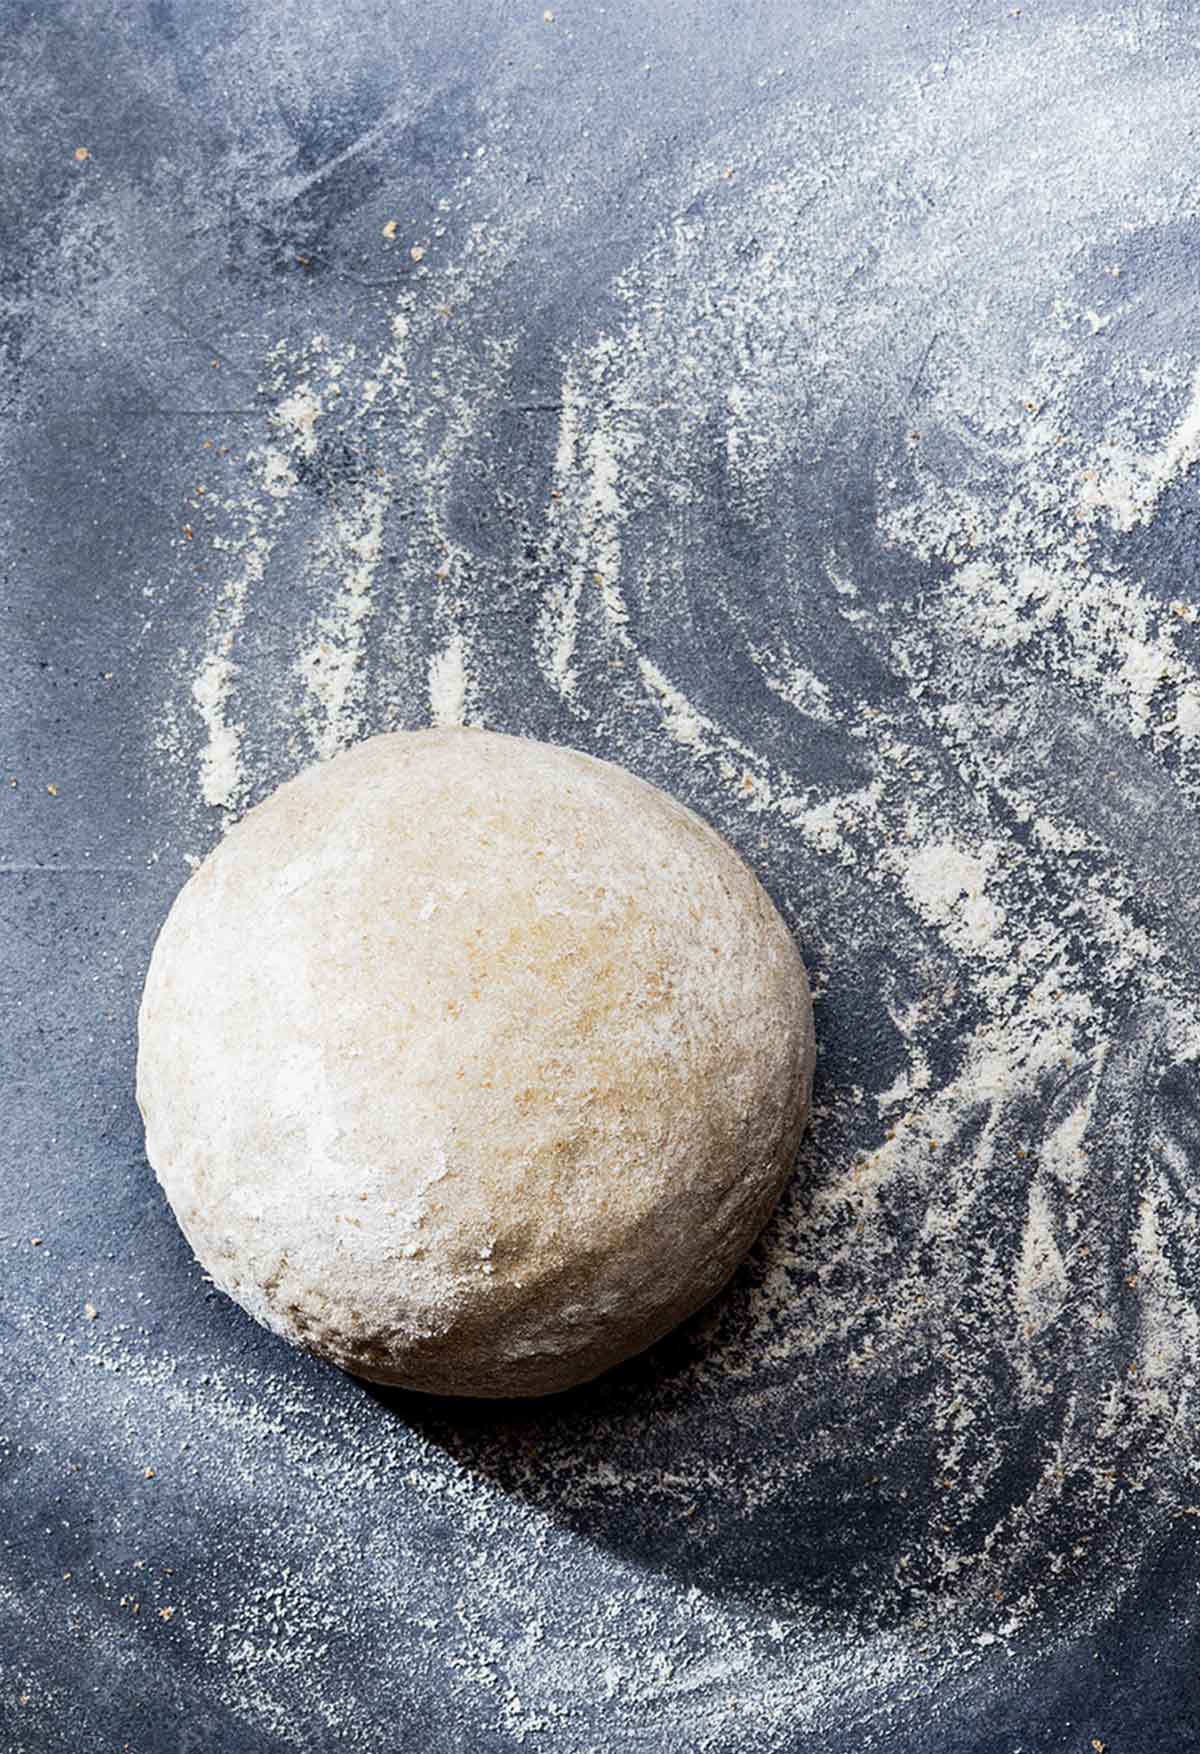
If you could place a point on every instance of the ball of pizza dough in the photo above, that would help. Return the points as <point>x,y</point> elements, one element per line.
<point>471,1063</point>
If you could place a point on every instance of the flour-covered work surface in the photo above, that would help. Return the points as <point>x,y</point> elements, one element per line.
<point>801,409</point>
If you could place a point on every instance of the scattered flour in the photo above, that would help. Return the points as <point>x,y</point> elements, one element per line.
<point>1129,486</point>
<point>449,683</point>
<point>947,886</point>
<point>843,525</point>
<point>222,779</point>
<point>332,666</point>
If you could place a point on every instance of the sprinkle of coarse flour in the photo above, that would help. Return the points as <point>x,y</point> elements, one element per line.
<point>848,511</point>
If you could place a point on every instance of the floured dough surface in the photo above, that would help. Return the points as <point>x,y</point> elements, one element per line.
<point>471,1063</point>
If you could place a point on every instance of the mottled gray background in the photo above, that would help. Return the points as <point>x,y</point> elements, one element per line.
<point>208,1543</point>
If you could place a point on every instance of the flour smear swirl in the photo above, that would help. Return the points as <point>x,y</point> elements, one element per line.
<point>855,511</point>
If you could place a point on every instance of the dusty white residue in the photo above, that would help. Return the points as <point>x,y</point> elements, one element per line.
<point>605,453</point>
<point>1042,1283</point>
<point>846,516</point>
<point>830,827</point>
<point>558,618</point>
<point>684,723</point>
<point>1170,1325</point>
<point>584,518</point>
<point>332,663</point>
<point>278,475</point>
<point>1016,640</point>
<point>795,683</point>
<point>1063,1154</point>
<point>388,375</point>
<point>916,1075</point>
<point>949,887</point>
<point>221,774</point>
<point>220,763</point>
<point>449,683</point>
<point>256,518</point>
<point>296,415</point>
<point>1129,484</point>
<point>334,411</point>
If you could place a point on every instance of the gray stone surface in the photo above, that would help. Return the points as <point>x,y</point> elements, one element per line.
<point>797,405</point>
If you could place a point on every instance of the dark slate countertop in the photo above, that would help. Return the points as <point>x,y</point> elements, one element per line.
<point>798,405</point>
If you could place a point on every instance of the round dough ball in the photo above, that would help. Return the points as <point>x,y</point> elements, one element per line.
<point>472,1063</point>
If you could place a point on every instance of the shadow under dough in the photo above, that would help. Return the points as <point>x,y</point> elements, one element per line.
<point>762,1485</point>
